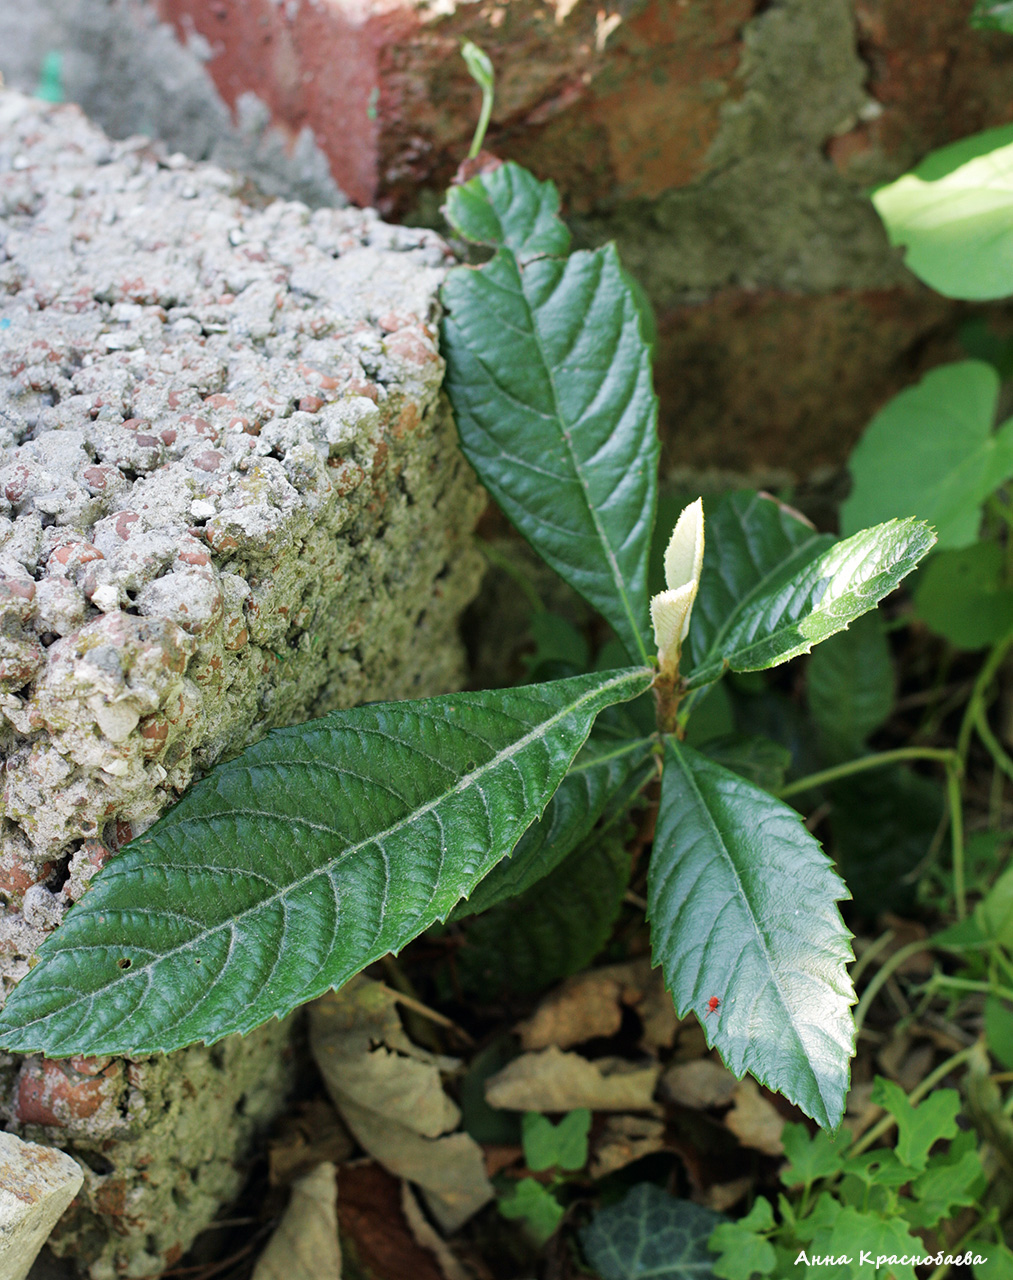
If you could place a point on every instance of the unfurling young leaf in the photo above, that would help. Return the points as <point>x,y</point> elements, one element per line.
<point>672,608</point>
<point>291,868</point>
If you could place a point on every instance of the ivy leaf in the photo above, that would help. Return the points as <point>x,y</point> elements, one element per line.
<point>918,1127</point>
<point>599,785</point>
<point>508,207</point>
<point>553,929</point>
<point>550,380</point>
<point>291,868</point>
<point>931,452</point>
<point>954,214</point>
<point>805,601</point>
<point>742,905</point>
<point>649,1235</point>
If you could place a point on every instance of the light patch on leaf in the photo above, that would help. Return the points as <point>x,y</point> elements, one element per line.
<point>671,609</point>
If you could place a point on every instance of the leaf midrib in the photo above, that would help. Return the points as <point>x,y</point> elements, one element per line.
<point>743,897</point>
<point>613,563</point>
<point>416,814</point>
<point>715,648</point>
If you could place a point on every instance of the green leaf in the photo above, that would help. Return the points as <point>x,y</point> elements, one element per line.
<point>508,207</point>
<point>550,381</point>
<point>882,824</point>
<point>752,542</point>
<point>777,590</point>
<point>752,756</point>
<point>878,1168</point>
<point>931,452</point>
<point>291,868</point>
<point>557,640</point>
<point>918,1127</point>
<point>819,1155</point>
<point>537,1208</point>
<point>999,1031</point>
<point>854,1234</point>
<point>598,787</point>
<point>742,905</point>
<point>555,928</point>
<point>998,1261</point>
<point>851,686</point>
<point>993,15</point>
<point>743,1250</point>
<point>994,913</point>
<point>954,213</point>
<point>555,1146</point>
<point>961,595</point>
<point>649,1235</point>
<point>981,342</point>
<point>950,1182</point>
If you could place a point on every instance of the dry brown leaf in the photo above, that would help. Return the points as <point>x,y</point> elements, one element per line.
<point>722,1195</point>
<point>305,1243</point>
<point>699,1084</point>
<point>556,1081</point>
<point>755,1121</point>
<point>449,1170</point>
<point>389,1093</point>
<point>428,1238</point>
<point>583,1008</point>
<point>589,1005</point>
<point>375,1236</point>
<point>623,1140</point>
<point>357,1039</point>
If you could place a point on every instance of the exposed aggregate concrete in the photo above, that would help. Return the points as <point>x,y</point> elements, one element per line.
<point>230,498</point>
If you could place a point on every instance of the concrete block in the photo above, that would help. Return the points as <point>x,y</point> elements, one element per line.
<point>230,498</point>
<point>36,1186</point>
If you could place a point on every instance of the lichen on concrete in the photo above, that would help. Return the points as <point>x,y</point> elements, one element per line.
<point>771,211</point>
<point>230,499</point>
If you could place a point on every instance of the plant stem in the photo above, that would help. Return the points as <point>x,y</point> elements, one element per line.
<point>939,980</point>
<point>481,72</point>
<point>882,976</point>
<point>977,699</point>
<point>956,836</point>
<point>877,761</point>
<point>870,953</point>
<point>995,750</point>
